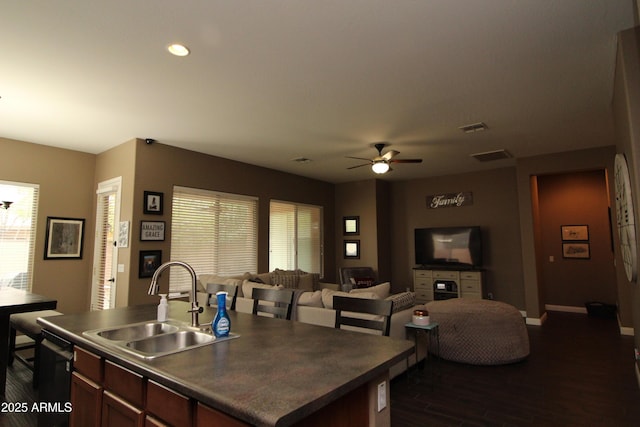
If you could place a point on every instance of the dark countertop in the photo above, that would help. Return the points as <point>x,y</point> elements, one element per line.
<point>276,373</point>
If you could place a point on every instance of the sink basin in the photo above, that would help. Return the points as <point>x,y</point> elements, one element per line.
<point>170,343</point>
<point>137,331</point>
<point>154,339</point>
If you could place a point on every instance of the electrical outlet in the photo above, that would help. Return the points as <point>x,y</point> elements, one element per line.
<point>382,396</point>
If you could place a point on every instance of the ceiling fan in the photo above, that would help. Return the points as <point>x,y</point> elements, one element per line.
<point>381,163</point>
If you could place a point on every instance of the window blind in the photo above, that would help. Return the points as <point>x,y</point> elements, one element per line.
<point>102,297</point>
<point>295,237</point>
<point>18,234</point>
<point>215,233</point>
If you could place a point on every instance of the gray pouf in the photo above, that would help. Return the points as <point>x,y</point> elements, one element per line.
<point>480,332</point>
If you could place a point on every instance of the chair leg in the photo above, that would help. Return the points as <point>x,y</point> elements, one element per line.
<point>12,346</point>
<point>36,361</point>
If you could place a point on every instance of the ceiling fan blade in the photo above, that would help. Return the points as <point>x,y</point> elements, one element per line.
<point>405,161</point>
<point>358,158</point>
<point>390,154</point>
<point>359,166</point>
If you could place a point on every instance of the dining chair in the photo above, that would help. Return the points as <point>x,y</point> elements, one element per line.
<point>278,302</point>
<point>349,312</point>
<point>232,291</point>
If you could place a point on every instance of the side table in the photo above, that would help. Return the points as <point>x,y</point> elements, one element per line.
<point>431,330</point>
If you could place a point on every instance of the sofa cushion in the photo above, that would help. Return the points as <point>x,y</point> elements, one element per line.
<point>205,279</point>
<point>248,286</point>
<point>311,299</point>
<point>328,294</point>
<point>382,290</point>
<point>402,301</point>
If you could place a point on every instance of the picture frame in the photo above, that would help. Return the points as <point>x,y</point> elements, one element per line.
<point>64,238</point>
<point>149,263</point>
<point>574,232</point>
<point>152,231</point>
<point>576,250</point>
<point>351,225</point>
<point>153,203</point>
<point>352,249</point>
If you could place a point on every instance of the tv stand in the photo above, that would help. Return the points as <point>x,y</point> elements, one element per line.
<point>454,282</point>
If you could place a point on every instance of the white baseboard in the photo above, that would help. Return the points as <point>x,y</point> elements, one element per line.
<point>537,321</point>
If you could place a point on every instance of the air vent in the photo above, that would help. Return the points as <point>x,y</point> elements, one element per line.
<point>473,127</point>
<point>301,160</point>
<point>489,156</point>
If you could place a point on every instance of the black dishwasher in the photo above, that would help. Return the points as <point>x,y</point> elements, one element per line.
<point>54,389</point>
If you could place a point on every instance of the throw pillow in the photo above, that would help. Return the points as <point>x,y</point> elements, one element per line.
<point>312,299</point>
<point>382,290</point>
<point>362,282</point>
<point>247,287</point>
<point>402,301</point>
<point>306,282</point>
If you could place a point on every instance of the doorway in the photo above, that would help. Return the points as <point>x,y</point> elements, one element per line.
<point>574,240</point>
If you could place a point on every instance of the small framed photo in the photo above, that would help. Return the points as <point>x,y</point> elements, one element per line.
<point>64,238</point>
<point>149,263</point>
<point>351,225</point>
<point>575,232</point>
<point>153,202</point>
<point>576,250</point>
<point>352,249</point>
<point>152,230</point>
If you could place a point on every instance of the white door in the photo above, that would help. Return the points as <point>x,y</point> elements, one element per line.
<point>105,255</point>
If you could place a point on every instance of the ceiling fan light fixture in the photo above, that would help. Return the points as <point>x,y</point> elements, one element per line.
<point>380,167</point>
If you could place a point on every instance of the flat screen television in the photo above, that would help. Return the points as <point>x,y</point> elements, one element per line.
<point>449,246</point>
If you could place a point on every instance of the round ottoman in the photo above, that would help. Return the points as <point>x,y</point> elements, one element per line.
<point>480,332</point>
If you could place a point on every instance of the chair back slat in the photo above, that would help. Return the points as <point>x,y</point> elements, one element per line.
<point>347,310</point>
<point>232,291</point>
<point>281,302</point>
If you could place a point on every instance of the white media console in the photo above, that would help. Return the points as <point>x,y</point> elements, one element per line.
<point>436,284</point>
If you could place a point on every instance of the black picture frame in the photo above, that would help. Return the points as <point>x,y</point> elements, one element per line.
<point>153,203</point>
<point>576,250</point>
<point>351,225</point>
<point>152,231</point>
<point>149,263</point>
<point>64,238</point>
<point>352,249</point>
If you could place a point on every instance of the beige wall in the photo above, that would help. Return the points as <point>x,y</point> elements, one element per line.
<point>626,105</point>
<point>66,190</point>
<point>494,208</point>
<point>159,167</point>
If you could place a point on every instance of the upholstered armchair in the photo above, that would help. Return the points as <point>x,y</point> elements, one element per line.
<point>352,277</point>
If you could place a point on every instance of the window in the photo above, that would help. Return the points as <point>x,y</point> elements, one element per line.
<point>215,233</point>
<point>295,237</point>
<point>18,233</point>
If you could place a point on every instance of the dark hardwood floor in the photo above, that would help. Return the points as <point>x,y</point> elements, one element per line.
<point>580,373</point>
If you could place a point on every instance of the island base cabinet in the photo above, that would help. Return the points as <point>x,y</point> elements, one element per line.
<point>206,416</point>
<point>118,413</point>
<point>86,397</point>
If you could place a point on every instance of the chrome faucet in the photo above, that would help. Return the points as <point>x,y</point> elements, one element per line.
<point>193,295</point>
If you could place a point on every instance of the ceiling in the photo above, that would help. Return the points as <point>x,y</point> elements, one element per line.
<point>269,81</point>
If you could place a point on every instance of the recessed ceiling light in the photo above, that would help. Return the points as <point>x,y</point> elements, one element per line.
<point>178,49</point>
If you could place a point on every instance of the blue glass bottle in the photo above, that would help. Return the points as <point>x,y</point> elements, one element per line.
<point>221,324</point>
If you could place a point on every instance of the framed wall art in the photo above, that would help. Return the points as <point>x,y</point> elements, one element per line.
<point>352,249</point>
<point>575,232</point>
<point>351,225</point>
<point>579,250</point>
<point>64,238</point>
<point>152,230</point>
<point>153,202</point>
<point>149,263</point>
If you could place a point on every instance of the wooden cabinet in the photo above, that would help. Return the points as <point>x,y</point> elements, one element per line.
<point>452,284</point>
<point>86,398</point>
<point>169,405</point>
<point>206,416</point>
<point>117,412</point>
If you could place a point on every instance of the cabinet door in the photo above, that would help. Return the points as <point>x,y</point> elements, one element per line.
<point>86,398</point>
<point>118,413</point>
<point>206,416</point>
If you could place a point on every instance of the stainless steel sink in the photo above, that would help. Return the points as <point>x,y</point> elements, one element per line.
<point>137,331</point>
<point>155,339</point>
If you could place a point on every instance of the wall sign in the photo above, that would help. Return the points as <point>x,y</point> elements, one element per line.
<point>449,200</point>
<point>152,230</point>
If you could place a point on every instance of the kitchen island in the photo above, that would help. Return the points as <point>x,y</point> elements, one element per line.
<point>277,373</point>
